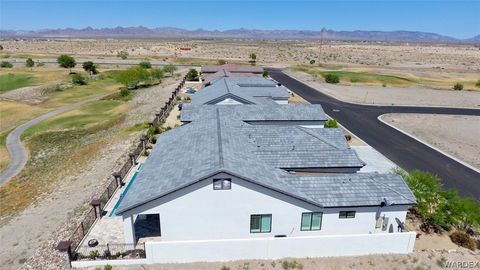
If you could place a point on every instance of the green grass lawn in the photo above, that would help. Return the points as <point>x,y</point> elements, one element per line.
<point>88,116</point>
<point>12,81</point>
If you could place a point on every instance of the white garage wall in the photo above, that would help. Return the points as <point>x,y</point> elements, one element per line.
<point>198,212</point>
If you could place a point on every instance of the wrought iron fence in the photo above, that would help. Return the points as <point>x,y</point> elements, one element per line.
<point>83,228</point>
<point>110,252</point>
<point>107,194</point>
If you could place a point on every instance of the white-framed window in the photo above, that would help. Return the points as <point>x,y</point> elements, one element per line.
<point>222,184</point>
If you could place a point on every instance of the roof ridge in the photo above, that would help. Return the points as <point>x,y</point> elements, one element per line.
<point>318,137</point>
<point>390,188</point>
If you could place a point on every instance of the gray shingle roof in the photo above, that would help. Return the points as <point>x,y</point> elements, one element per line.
<point>242,89</point>
<point>268,111</point>
<point>360,189</point>
<point>200,149</point>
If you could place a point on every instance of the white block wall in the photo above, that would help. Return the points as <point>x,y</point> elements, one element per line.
<point>276,248</point>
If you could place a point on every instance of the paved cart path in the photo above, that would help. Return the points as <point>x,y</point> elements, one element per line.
<point>18,153</point>
<point>404,150</point>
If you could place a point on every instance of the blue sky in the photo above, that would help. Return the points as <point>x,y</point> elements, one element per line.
<point>455,18</point>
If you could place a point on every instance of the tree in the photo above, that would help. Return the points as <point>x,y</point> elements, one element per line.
<point>458,86</point>
<point>170,69</point>
<point>6,64</point>
<point>221,62</point>
<point>192,75</point>
<point>79,79</point>
<point>156,73</point>
<point>253,58</point>
<point>145,64</point>
<point>265,73</point>
<point>332,78</point>
<point>29,63</point>
<point>331,123</point>
<point>90,67</point>
<point>66,61</point>
<point>133,76</point>
<point>122,54</point>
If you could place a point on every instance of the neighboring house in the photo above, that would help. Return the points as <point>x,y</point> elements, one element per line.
<point>212,73</point>
<point>268,113</point>
<point>241,90</point>
<point>222,179</point>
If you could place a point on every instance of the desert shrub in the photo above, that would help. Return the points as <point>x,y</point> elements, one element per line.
<point>122,54</point>
<point>312,62</point>
<point>331,123</point>
<point>153,140</point>
<point>94,254</point>
<point>439,208</point>
<point>6,64</point>
<point>477,84</point>
<point>145,64</point>
<point>124,92</point>
<point>40,64</point>
<point>225,268</point>
<point>458,87</point>
<point>464,240</point>
<point>169,69</point>
<point>192,75</point>
<point>178,98</point>
<point>107,267</point>
<point>221,62</point>
<point>291,265</point>
<point>332,78</point>
<point>265,73</point>
<point>78,79</point>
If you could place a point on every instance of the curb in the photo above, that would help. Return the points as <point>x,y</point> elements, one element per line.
<point>427,144</point>
<point>378,104</point>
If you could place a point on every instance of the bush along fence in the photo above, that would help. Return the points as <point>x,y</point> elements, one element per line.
<point>114,251</point>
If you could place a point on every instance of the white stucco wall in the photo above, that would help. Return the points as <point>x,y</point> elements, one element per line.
<point>277,248</point>
<point>198,212</point>
<point>281,101</point>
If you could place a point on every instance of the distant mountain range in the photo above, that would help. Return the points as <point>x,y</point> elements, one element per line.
<point>242,33</point>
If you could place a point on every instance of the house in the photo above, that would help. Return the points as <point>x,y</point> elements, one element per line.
<point>215,185</point>
<point>241,90</point>
<point>232,68</point>
<point>267,113</point>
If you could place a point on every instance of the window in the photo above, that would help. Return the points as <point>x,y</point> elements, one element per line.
<point>311,221</point>
<point>347,214</point>
<point>222,184</point>
<point>260,223</point>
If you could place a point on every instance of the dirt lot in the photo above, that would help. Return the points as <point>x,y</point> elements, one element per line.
<point>457,135</point>
<point>367,94</point>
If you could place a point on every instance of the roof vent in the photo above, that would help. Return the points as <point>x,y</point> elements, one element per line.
<point>384,202</point>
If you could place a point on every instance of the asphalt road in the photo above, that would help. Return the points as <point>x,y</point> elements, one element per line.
<point>18,153</point>
<point>403,150</point>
